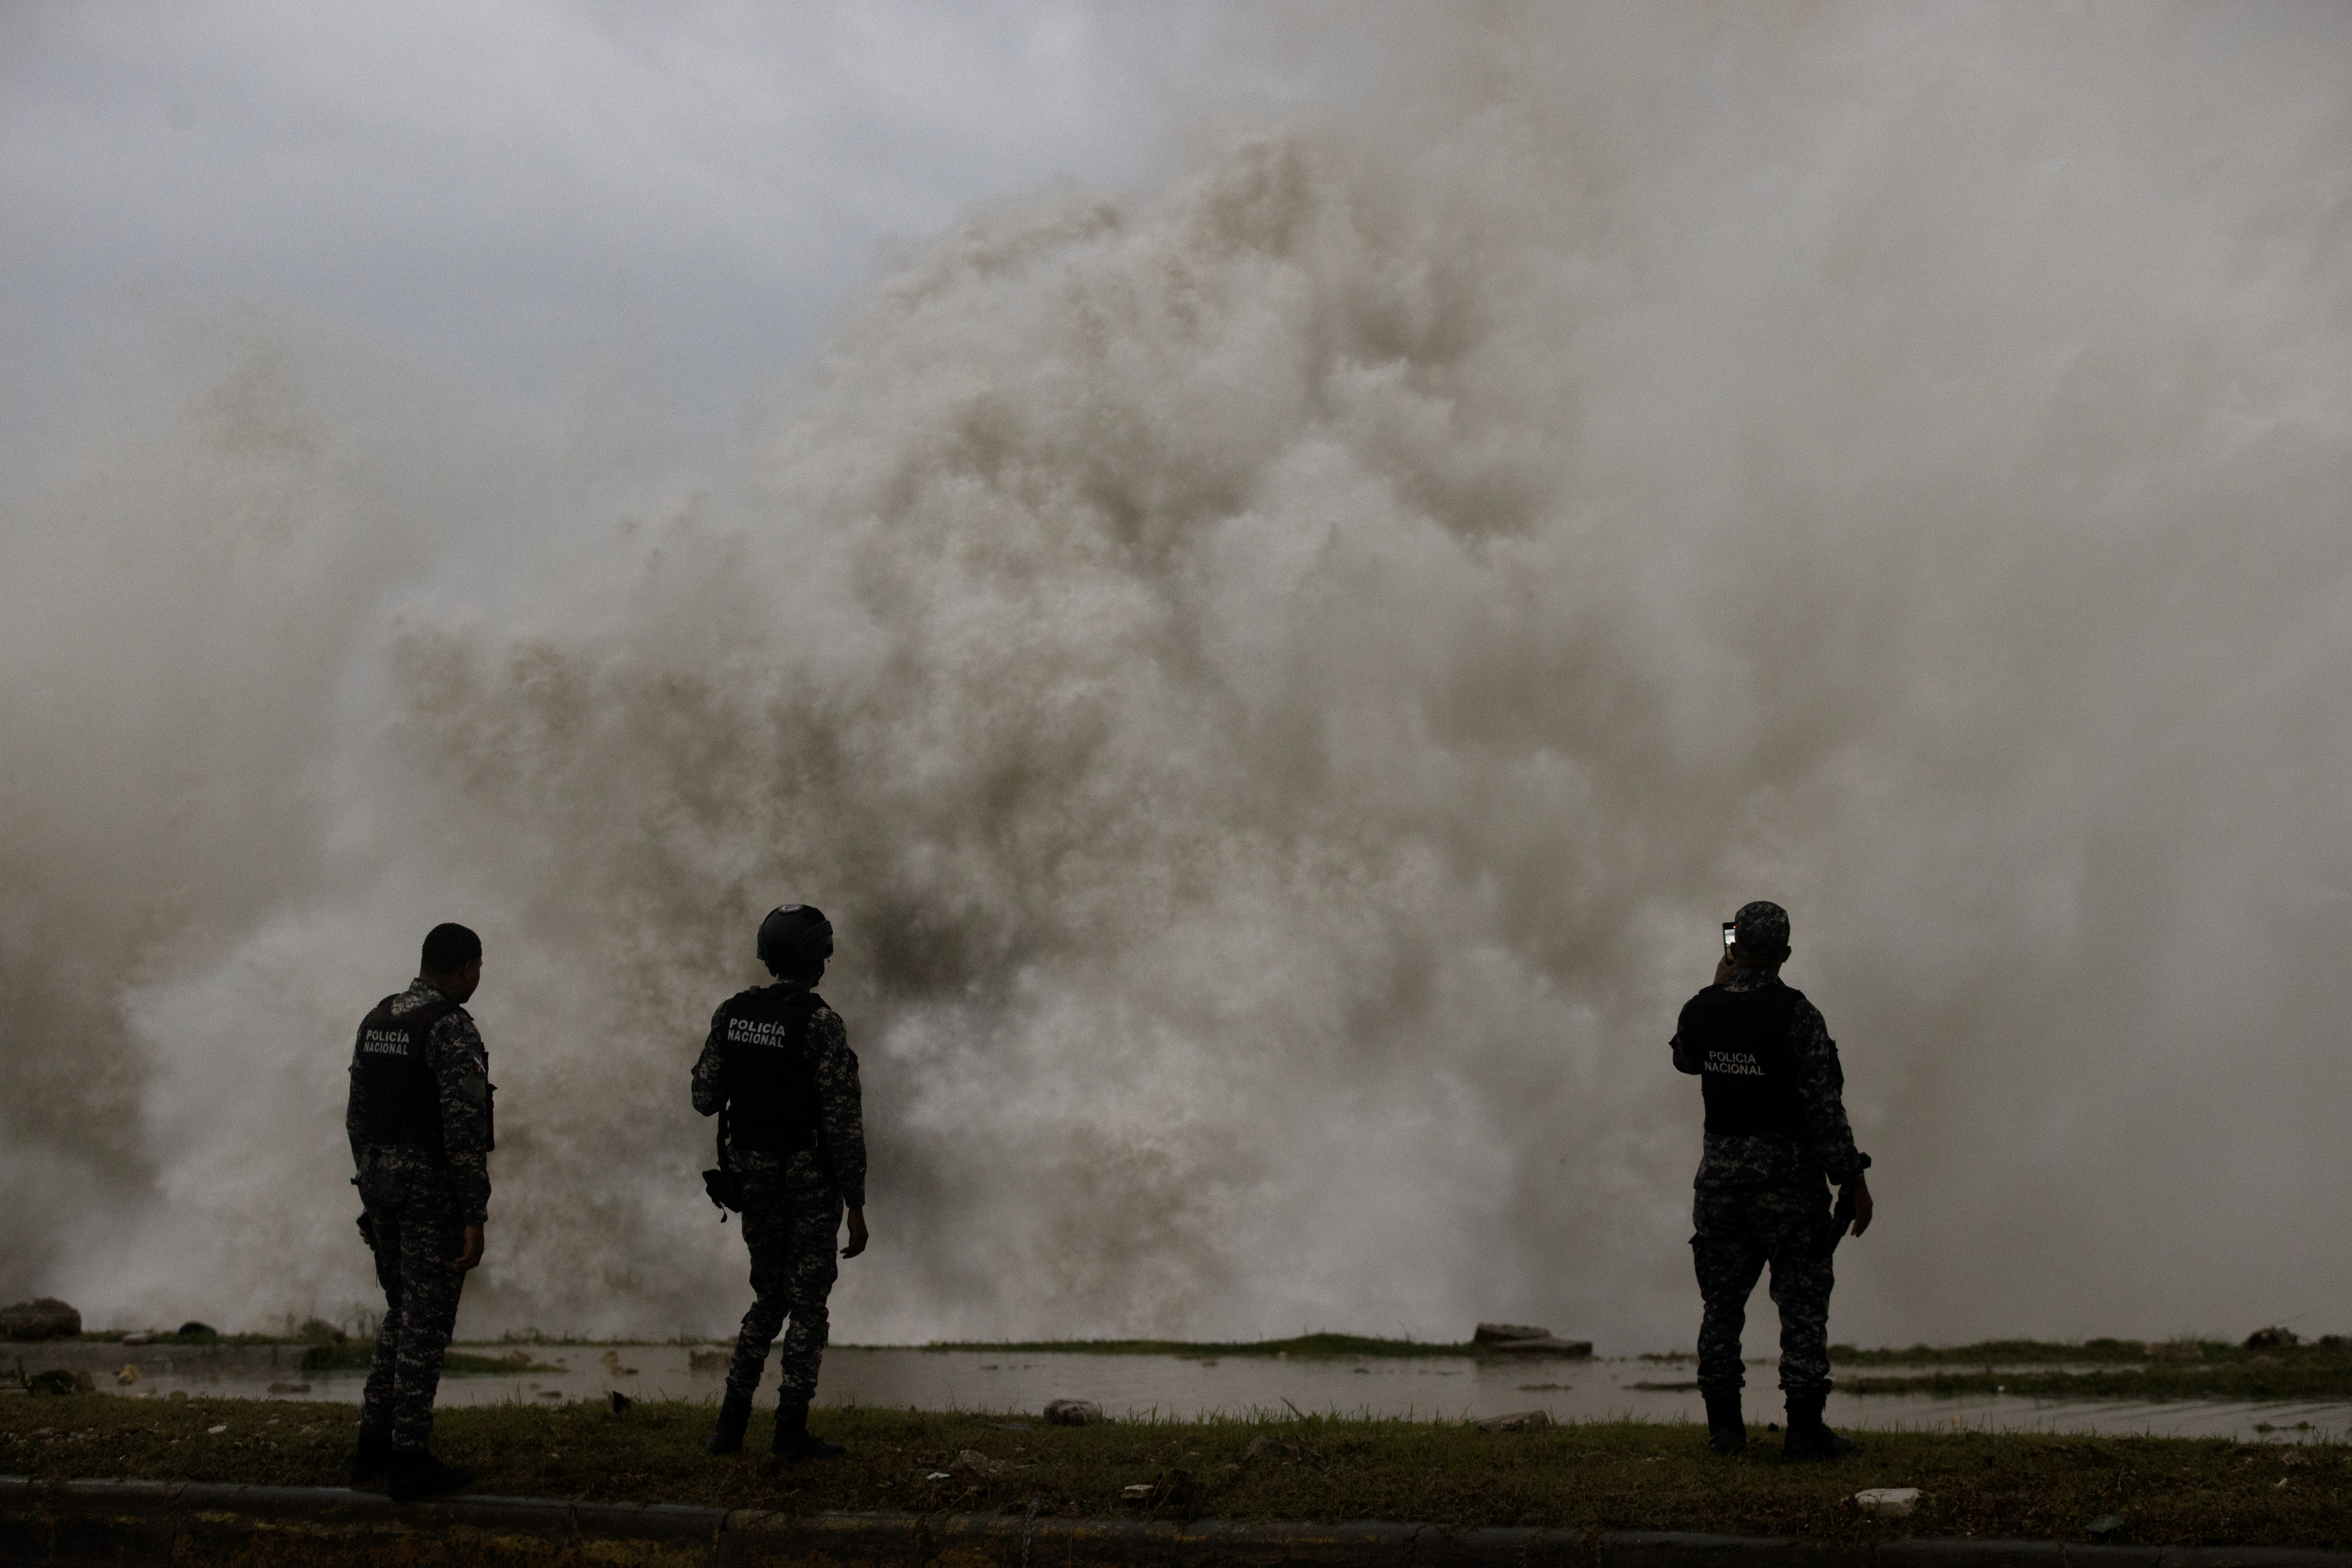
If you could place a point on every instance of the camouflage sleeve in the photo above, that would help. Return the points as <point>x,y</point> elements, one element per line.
<point>463,1067</point>
<point>1821,1090</point>
<point>1686,1056</point>
<point>840,1117</point>
<point>355,1114</point>
<point>709,1092</point>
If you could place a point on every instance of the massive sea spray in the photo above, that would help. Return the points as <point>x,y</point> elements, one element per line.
<point>1275,678</point>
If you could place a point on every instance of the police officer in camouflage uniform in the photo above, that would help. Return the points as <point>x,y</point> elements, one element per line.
<point>419,1119</point>
<point>1776,1134</point>
<point>778,1069</point>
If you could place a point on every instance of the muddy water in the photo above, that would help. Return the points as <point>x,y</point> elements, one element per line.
<point>1173,1386</point>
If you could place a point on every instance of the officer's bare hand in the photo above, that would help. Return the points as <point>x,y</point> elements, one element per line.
<point>1724,969</point>
<point>856,1234</point>
<point>1859,1191</point>
<point>473,1252</point>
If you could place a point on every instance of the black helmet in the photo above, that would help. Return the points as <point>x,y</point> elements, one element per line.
<point>795,940</point>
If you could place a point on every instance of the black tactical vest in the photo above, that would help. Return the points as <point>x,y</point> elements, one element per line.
<point>1748,1070</point>
<point>397,1091</point>
<point>769,1080</point>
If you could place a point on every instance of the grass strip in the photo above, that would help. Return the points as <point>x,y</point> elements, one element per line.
<point>2007,1352</point>
<point>360,1355</point>
<point>1612,1476</point>
<point>2155,1383</point>
<point>1984,1353</point>
<point>114,1336</point>
<point>1354,1346</point>
<point>2332,1348</point>
<point>2113,1369</point>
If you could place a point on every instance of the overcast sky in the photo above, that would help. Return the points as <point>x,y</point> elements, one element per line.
<point>513,190</point>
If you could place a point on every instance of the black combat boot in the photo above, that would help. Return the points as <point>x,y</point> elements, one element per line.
<point>1807,1438</point>
<point>1726,1432</point>
<point>793,1440</point>
<point>374,1456</point>
<point>734,1415</point>
<point>416,1474</point>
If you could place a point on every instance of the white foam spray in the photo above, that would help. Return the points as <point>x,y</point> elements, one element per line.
<point>1275,678</point>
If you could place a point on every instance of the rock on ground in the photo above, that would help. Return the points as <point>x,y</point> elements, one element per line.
<point>58,1379</point>
<point>1504,1333</point>
<point>1522,1339</point>
<point>1073,1413</point>
<point>46,1319</point>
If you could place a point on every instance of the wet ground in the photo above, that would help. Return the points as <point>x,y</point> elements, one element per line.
<point>1177,1386</point>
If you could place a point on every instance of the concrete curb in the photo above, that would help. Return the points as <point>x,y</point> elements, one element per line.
<point>92,1522</point>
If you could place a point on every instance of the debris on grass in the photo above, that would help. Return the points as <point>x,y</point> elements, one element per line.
<point>1518,1420</point>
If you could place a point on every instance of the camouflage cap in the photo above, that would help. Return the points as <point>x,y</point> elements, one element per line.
<point>1760,927</point>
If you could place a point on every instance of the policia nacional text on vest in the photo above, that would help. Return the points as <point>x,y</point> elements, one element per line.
<point>392,1068</point>
<point>1748,1072</point>
<point>769,1080</point>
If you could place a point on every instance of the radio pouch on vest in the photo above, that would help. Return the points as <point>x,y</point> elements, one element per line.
<point>725,1184</point>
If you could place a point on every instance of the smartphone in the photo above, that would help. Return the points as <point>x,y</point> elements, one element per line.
<point>1728,928</point>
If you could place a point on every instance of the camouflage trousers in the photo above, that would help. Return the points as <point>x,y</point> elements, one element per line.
<point>789,1224</point>
<point>416,1233</point>
<point>1739,1231</point>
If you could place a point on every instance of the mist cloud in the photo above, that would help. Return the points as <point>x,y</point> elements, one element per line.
<point>1275,676</point>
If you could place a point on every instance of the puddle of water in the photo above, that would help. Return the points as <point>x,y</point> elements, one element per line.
<point>1181,1388</point>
